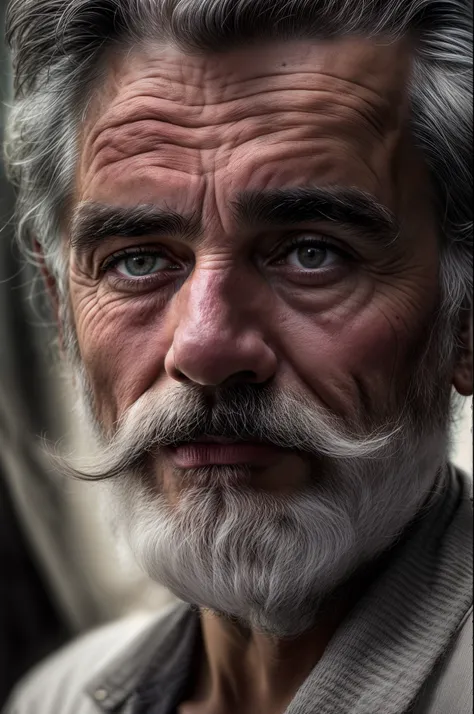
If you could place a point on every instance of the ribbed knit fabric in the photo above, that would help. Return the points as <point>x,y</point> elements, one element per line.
<point>385,650</point>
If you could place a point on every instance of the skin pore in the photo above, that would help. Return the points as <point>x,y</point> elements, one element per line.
<point>229,299</point>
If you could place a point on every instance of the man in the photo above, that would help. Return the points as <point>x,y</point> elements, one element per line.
<point>253,219</point>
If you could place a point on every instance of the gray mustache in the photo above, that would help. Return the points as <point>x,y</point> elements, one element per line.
<point>244,412</point>
<point>237,413</point>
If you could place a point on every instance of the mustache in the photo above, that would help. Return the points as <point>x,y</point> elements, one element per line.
<point>185,413</point>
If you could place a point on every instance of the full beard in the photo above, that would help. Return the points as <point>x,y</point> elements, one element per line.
<point>269,559</point>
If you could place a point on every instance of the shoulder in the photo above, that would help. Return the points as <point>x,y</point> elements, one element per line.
<point>61,683</point>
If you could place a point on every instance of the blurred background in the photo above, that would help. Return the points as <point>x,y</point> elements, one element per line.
<point>60,572</point>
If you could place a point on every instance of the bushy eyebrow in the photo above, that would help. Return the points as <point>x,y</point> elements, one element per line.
<point>92,223</point>
<point>349,207</point>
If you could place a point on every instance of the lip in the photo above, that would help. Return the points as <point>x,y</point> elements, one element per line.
<point>222,452</point>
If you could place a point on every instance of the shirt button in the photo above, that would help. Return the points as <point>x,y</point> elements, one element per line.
<point>100,695</point>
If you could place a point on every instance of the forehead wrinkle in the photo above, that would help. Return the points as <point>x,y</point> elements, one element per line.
<point>176,136</point>
<point>140,106</point>
<point>171,79</point>
<point>371,65</point>
<point>150,129</point>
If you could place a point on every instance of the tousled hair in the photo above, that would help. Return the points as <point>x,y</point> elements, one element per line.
<point>59,46</point>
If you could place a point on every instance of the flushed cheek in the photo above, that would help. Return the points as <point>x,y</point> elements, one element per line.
<point>123,345</point>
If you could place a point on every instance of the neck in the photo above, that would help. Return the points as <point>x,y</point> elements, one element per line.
<point>244,670</point>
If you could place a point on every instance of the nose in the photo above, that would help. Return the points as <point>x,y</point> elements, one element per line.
<point>216,338</point>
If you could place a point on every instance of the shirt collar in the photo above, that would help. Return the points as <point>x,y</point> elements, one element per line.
<point>160,648</point>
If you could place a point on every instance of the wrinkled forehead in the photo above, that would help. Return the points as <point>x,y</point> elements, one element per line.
<point>375,71</point>
<point>165,125</point>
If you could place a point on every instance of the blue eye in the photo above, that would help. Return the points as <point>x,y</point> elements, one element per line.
<point>141,265</point>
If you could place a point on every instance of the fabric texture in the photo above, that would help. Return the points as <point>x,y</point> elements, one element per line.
<point>404,649</point>
<point>449,689</point>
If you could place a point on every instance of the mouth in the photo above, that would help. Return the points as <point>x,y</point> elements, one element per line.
<point>220,451</point>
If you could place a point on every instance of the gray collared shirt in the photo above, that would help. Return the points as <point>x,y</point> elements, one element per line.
<point>165,683</point>
<point>154,675</point>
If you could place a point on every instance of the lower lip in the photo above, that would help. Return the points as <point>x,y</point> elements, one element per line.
<point>197,454</point>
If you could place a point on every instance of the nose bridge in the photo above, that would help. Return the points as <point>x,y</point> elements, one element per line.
<point>216,334</point>
<point>208,308</point>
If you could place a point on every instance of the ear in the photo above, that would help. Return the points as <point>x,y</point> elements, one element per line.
<point>51,288</point>
<point>463,371</point>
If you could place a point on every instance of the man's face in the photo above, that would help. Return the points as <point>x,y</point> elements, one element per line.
<point>261,218</point>
<point>331,309</point>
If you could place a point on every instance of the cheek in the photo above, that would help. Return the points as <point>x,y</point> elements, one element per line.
<point>351,362</point>
<point>123,345</point>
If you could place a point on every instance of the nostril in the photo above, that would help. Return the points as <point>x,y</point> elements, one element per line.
<point>176,373</point>
<point>179,376</point>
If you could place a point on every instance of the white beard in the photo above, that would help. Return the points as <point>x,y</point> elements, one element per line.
<point>269,560</point>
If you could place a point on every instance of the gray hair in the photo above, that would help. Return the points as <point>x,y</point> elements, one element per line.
<point>59,48</point>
